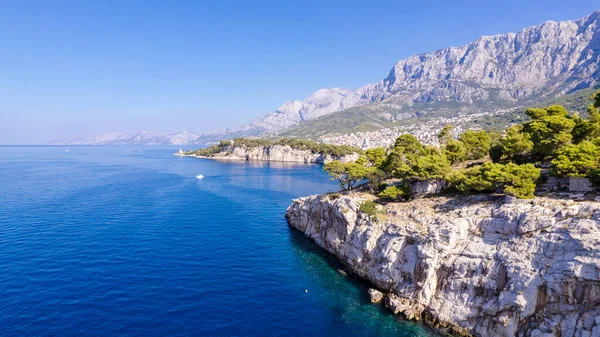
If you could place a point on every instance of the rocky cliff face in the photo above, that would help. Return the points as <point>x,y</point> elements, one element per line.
<point>551,59</point>
<point>480,266</point>
<point>279,153</point>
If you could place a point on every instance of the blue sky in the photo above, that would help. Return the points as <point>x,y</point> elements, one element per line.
<point>79,68</point>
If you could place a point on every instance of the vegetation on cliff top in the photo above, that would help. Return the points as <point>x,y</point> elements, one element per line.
<point>298,144</point>
<point>479,161</point>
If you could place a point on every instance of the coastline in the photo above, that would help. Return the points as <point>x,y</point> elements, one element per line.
<point>224,158</point>
<point>474,266</point>
<point>273,153</point>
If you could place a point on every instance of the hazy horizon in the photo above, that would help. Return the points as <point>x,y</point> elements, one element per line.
<point>84,69</point>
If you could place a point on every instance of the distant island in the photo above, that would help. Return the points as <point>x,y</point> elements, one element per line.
<point>489,234</point>
<point>281,150</point>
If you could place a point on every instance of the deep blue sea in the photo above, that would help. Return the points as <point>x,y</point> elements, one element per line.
<point>100,241</point>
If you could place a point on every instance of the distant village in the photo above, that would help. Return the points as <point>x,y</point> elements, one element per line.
<point>426,132</point>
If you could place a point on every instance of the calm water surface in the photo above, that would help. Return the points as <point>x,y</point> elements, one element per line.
<point>126,241</point>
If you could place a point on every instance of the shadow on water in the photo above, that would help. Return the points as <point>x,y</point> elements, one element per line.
<point>347,296</point>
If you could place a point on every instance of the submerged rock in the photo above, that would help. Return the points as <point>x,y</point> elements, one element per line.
<point>481,265</point>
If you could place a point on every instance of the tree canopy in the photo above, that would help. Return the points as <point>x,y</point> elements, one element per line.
<point>512,179</point>
<point>477,144</point>
<point>549,129</point>
<point>348,174</point>
<point>576,160</point>
<point>412,160</point>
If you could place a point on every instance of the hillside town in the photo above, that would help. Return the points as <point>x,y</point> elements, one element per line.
<point>425,131</point>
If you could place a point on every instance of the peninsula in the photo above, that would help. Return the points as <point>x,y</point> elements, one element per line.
<point>281,150</point>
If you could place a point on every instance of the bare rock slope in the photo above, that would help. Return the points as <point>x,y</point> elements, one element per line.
<point>503,70</point>
<point>480,266</point>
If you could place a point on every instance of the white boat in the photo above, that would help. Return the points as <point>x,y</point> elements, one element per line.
<point>199,176</point>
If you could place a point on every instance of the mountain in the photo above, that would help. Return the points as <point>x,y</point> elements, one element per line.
<point>134,137</point>
<point>491,73</point>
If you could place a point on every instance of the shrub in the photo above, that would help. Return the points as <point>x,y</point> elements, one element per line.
<point>576,160</point>
<point>368,207</point>
<point>594,176</point>
<point>211,150</point>
<point>391,193</point>
<point>515,180</point>
<point>520,180</point>
<point>335,196</point>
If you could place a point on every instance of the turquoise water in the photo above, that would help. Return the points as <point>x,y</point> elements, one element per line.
<point>126,241</point>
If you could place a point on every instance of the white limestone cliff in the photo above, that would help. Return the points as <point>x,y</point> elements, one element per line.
<point>479,265</point>
<point>278,153</point>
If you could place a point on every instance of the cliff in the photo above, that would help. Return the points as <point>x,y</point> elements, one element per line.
<point>478,265</point>
<point>279,153</point>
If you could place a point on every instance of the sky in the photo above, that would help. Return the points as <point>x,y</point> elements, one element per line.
<point>82,68</point>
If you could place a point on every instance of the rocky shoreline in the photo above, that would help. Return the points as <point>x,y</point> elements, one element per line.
<point>276,153</point>
<point>472,265</point>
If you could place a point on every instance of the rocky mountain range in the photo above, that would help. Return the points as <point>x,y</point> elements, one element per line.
<point>504,70</point>
<point>134,137</point>
<point>491,73</point>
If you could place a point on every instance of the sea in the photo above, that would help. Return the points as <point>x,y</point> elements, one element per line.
<point>127,241</point>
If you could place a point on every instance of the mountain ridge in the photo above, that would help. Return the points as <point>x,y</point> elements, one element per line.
<point>134,137</point>
<point>492,73</point>
<point>567,52</point>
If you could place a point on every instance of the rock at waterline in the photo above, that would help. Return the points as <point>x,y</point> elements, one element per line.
<point>375,295</point>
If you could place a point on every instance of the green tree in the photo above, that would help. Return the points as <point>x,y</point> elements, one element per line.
<point>411,160</point>
<point>432,165</point>
<point>516,146</point>
<point>594,120</point>
<point>596,99</point>
<point>549,129</point>
<point>337,171</point>
<point>582,129</point>
<point>496,152</point>
<point>376,155</point>
<point>455,151</point>
<point>409,145</point>
<point>477,144</point>
<point>576,160</point>
<point>399,161</point>
<point>515,180</point>
<point>446,134</point>
<point>348,174</point>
